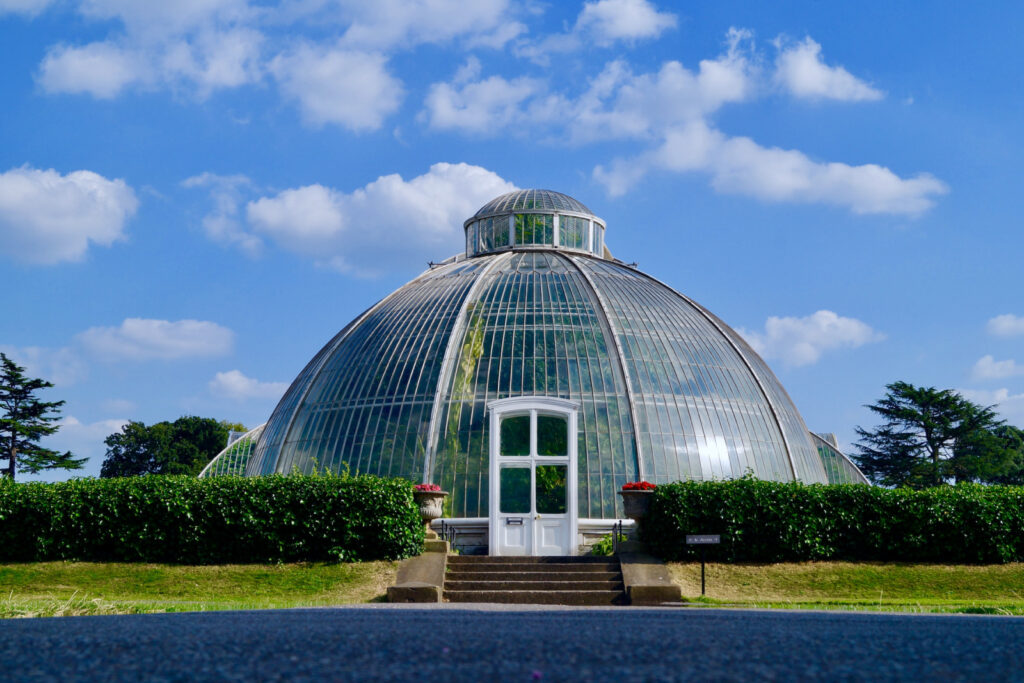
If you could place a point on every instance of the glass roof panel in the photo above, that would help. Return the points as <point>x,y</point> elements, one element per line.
<point>523,200</point>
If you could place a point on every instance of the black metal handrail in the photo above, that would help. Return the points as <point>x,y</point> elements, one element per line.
<point>448,533</point>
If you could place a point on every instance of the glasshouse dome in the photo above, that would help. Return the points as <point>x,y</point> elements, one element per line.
<point>536,357</point>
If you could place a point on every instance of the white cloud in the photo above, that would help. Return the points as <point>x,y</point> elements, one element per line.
<point>602,23</point>
<point>62,366</point>
<point>134,339</point>
<point>72,426</point>
<point>350,89</point>
<point>739,165</point>
<point>404,23</point>
<point>388,223</point>
<point>744,167</point>
<point>988,367</point>
<point>671,109</point>
<point>46,217</point>
<point>145,339</point>
<point>801,71</point>
<point>617,103</point>
<point>481,107</point>
<point>83,439</point>
<point>102,69</point>
<point>1009,406</point>
<point>1006,325</point>
<point>168,17</point>
<point>192,45</point>
<point>26,7</point>
<point>119,405</point>
<point>204,62</point>
<point>337,73</point>
<point>305,218</point>
<point>234,385</point>
<point>801,341</point>
<point>623,20</point>
<point>215,59</point>
<point>621,104</point>
<point>222,223</point>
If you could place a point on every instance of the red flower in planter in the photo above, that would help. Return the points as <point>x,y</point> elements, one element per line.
<point>426,487</point>
<point>638,486</point>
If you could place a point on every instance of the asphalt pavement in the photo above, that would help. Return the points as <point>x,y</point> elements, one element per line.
<point>492,643</point>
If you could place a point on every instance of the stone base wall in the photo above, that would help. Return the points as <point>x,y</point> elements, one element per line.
<point>471,535</point>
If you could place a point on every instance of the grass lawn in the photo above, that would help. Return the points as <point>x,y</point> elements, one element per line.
<point>990,589</point>
<point>76,588</point>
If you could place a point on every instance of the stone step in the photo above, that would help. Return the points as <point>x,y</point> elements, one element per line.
<point>525,567</point>
<point>513,584</point>
<point>465,575</point>
<point>531,559</point>
<point>530,597</point>
<point>535,580</point>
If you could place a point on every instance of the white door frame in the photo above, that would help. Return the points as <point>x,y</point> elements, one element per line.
<point>532,405</point>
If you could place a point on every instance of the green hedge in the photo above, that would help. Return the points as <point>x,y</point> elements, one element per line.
<point>181,519</point>
<point>762,521</point>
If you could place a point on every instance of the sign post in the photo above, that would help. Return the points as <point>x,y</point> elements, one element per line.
<point>702,540</point>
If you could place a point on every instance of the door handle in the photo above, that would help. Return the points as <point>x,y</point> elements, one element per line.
<point>537,517</point>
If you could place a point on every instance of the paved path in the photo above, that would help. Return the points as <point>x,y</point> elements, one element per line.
<point>453,643</point>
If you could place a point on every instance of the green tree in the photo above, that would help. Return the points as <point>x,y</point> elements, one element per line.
<point>184,446</point>
<point>1011,439</point>
<point>25,420</point>
<point>930,437</point>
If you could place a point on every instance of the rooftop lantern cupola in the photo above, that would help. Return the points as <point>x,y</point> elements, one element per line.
<point>527,219</point>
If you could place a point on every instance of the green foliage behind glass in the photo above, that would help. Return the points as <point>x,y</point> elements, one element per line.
<point>179,519</point>
<point>763,521</point>
<point>552,488</point>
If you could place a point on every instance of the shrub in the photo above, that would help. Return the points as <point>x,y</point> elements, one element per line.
<point>182,519</point>
<point>603,547</point>
<point>763,521</point>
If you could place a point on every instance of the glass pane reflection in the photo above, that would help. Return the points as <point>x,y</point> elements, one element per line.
<point>552,488</point>
<point>515,435</point>
<point>552,435</point>
<point>515,489</point>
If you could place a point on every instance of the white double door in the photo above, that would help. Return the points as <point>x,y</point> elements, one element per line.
<point>533,476</point>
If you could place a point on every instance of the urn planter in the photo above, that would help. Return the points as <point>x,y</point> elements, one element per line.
<point>431,505</point>
<point>636,503</point>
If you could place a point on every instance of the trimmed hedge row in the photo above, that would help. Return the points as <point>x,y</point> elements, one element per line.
<point>182,519</point>
<point>763,521</point>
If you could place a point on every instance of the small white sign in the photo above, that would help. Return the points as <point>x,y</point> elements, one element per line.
<point>703,539</point>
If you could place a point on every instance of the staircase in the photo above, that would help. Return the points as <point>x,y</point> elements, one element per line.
<point>534,580</point>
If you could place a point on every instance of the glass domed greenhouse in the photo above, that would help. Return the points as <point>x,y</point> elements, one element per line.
<point>535,359</point>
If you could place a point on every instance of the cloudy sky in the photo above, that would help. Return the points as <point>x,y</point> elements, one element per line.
<point>195,195</point>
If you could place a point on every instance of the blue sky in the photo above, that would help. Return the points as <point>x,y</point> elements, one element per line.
<point>195,195</point>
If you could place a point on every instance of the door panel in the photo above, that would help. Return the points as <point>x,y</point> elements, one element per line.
<point>552,536</point>
<point>551,523</point>
<point>515,538</point>
<point>515,510</point>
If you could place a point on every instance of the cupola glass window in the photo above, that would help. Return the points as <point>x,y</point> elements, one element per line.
<point>534,218</point>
